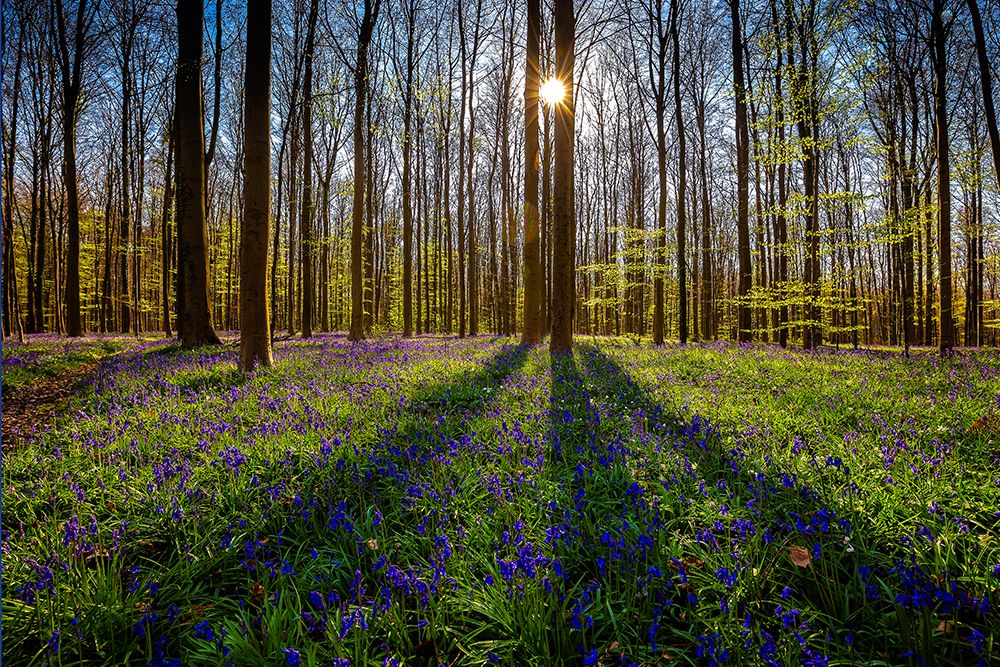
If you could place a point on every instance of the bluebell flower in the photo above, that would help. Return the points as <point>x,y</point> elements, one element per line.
<point>203,630</point>
<point>292,657</point>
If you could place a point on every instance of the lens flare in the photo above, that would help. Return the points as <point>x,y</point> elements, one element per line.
<point>552,92</point>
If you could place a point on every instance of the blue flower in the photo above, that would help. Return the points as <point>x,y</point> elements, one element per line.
<point>203,630</point>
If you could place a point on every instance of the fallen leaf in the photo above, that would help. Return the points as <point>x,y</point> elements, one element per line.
<point>257,593</point>
<point>799,556</point>
<point>946,627</point>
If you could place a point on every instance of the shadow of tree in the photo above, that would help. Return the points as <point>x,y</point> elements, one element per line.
<point>616,383</point>
<point>468,393</point>
<point>571,413</point>
<point>780,509</point>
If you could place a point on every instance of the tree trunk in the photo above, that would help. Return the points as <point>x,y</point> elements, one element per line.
<point>255,331</point>
<point>195,323</point>
<point>532,334</point>
<point>357,211</point>
<point>744,323</point>
<point>168,207</point>
<point>682,175</point>
<point>125,320</point>
<point>71,78</point>
<point>563,298</point>
<point>306,208</point>
<point>986,77</point>
<point>407,178</point>
<point>946,338</point>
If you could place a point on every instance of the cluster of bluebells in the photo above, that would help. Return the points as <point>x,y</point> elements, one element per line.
<point>369,495</point>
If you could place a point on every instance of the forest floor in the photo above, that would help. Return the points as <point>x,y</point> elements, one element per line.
<point>41,373</point>
<point>435,501</point>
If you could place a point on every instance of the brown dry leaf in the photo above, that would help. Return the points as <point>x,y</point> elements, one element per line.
<point>946,627</point>
<point>257,595</point>
<point>989,422</point>
<point>195,612</point>
<point>689,562</point>
<point>799,556</point>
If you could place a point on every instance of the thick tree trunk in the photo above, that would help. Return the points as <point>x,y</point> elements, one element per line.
<point>407,178</point>
<point>358,209</point>
<point>946,338</point>
<point>195,322</point>
<point>532,334</point>
<point>306,208</point>
<point>71,77</point>
<point>744,323</point>
<point>682,175</point>
<point>255,332</point>
<point>986,78</point>
<point>563,297</point>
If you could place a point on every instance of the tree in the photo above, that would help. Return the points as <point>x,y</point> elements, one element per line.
<point>658,80</point>
<point>986,79</point>
<point>533,291</point>
<point>681,173</point>
<point>307,207</point>
<point>255,331</point>
<point>195,322</point>
<point>166,242</point>
<point>742,178</point>
<point>946,338</point>
<point>780,218</point>
<point>410,16</point>
<point>11,311</point>
<point>563,292</point>
<point>366,28</point>
<point>71,68</point>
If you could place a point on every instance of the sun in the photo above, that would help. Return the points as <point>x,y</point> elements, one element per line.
<point>552,92</point>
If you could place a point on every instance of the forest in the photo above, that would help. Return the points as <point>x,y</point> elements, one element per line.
<point>473,332</point>
<point>776,179</point>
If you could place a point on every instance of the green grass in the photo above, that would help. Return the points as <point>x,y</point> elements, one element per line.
<point>52,357</point>
<point>473,501</point>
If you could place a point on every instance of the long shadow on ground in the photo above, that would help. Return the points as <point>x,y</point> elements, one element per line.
<point>791,533</point>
